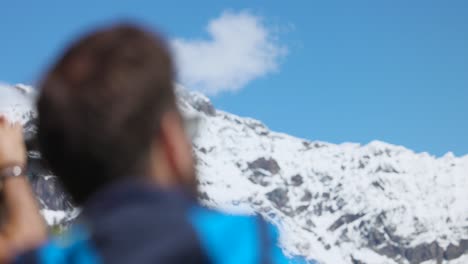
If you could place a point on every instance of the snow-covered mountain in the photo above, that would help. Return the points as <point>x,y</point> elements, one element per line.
<point>17,103</point>
<point>347,203</point>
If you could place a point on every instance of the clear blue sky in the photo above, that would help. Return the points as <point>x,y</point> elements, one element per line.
<point>356,71</point>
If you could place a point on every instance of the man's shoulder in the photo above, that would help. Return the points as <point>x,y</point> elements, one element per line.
<point>223,239</point>
<point>230,238</point>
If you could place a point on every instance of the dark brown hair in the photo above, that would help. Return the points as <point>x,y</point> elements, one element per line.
<point>100,107</point>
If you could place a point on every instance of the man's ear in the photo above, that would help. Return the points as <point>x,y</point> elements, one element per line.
<point>176,147</point>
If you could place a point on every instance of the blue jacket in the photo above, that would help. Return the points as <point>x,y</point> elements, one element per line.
<point>138,224</point>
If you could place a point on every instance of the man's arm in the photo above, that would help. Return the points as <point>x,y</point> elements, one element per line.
<point>23,227</point>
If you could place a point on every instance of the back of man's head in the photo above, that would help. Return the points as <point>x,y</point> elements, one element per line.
<point>101,105</point>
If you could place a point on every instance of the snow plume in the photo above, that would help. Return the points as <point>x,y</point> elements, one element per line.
<point>241,48</point>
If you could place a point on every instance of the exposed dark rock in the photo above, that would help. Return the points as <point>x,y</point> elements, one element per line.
<point>356,261</point>
<point>205,151</point>
<point>319,145</point>
<point>391,251</point>
<point>453,251</point>
<point>297,180</point>
<point>203,196</point>
<point>362,164</point>
<point>258,127</point>
<point>49,191</point>
<point>318,209</point>
<point>47,187</point>
<point>279,197</point>
<point>301,209</point>
<point>387,168</point>
<point>340,203</point>
<point>375,238</point>
<point>391,234</point>
<point>307,196</point>
<point>29,132</point>
<point>380,219</point>
<point>36,167</point>
<point>424,252</point>
<point>344,219</point>
<point>310,223</point>
<point>311,145</point>
<point>362,225</point>
<point>326,179</point>
<point>420,253</point>
<point>270,165</point>
<point>378,185</point>
<point>330,209</point>
<point>343,236</point>
<point>204,106</point>
<point>258,177</point>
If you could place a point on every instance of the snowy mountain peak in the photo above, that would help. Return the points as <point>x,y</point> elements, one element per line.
<point>16,102</point>
<point>374,203</point>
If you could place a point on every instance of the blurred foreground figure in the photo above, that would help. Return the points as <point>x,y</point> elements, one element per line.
<point>108,107</point>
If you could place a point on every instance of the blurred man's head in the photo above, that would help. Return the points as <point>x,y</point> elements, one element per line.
<point>107,111</point>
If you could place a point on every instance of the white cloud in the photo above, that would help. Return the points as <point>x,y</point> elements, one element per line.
<point>240,49</point>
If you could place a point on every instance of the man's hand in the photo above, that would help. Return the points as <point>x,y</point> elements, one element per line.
<point>23,227</point>
<point>12,148</point>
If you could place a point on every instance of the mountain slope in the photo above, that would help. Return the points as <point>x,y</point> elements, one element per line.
<point>346,203</point>
<point>336,200</point>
